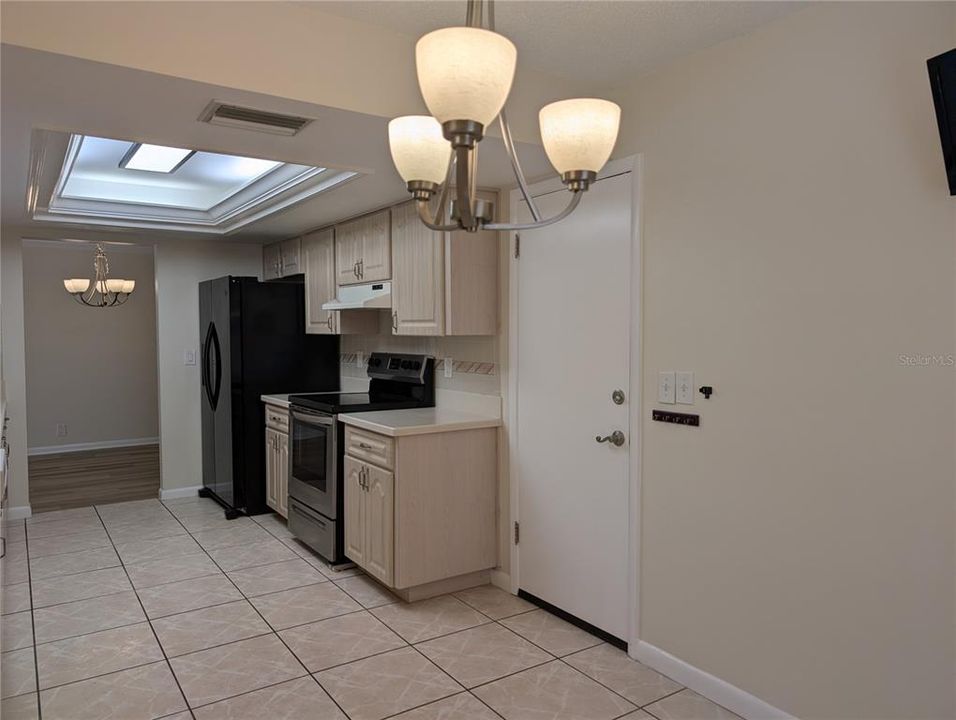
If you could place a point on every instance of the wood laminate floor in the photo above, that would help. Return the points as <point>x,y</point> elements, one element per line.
<point>93,477</point>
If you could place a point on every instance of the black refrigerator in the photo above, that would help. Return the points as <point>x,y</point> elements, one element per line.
<point>253,342</point>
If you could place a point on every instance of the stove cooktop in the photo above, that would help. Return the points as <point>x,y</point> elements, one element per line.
<point>333,403</point>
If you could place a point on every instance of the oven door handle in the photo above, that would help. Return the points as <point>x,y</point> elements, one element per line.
<point>309,419</point>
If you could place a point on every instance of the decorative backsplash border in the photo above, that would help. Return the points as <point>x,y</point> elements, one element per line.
<point>459,366</point>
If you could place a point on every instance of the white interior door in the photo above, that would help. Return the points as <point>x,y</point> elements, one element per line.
<point>573,352</point>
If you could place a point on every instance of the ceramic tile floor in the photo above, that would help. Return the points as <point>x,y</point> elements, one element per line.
<point>146,610</point>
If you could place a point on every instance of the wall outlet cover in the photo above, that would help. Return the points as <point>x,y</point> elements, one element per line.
<point>449,366</point>
<point>666,387</point>
<point>685,387</point>
<point>61,430</point>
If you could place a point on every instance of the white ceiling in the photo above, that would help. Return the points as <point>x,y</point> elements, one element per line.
<point>57,92</point>
<point>604,43</point>
<point>601,43</point>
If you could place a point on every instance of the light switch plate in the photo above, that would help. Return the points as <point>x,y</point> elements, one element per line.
<point>685,388</point>
<point>360,359</point>
<point>189,356</point>
<point>666,387</point>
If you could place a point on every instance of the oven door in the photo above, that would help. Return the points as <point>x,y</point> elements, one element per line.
<point>312,461</point>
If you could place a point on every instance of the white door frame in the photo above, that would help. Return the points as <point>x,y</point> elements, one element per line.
<point>634,164</point>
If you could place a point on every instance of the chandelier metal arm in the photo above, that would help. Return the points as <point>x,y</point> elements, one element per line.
<point>430,222</point>
<point>516,166</point>
<point>575,200</point>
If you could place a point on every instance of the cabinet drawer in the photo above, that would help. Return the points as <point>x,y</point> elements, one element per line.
<point>371,447</point>
<point>277,418</point>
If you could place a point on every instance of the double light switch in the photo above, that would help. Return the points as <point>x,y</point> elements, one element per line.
<point>675,387</point>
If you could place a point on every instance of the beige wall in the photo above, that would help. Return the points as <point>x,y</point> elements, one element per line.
<point>798,238</point>
<point>14,383</point>
<point>180,266</point>
<point>91,369</point>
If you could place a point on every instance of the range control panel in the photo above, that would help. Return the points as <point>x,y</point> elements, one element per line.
<point>395,366</point>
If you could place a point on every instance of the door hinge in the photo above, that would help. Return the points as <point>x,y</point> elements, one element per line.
<point>517,246</point>
<point>517,533</point>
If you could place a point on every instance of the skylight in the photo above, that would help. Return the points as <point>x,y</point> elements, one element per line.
<point>154,158</point>
<point>129,184</point>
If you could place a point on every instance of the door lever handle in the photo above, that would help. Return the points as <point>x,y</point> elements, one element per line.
<point>616,438</point>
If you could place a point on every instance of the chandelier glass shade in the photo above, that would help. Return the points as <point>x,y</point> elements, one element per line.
<point>102,290</point>
<point>465,75</point>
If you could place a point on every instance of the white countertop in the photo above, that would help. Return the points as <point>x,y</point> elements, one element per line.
<point>280,400</point>
<point>419,421</point>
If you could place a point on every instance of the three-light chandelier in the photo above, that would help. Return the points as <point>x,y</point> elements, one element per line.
<point>102,291</point>
<point>465,75</point>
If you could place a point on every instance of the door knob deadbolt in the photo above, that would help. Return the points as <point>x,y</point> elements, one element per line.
<point>616,438</point>
<point>618,397</point>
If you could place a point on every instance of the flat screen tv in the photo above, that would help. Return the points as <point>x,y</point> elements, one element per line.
<point>942,77</point>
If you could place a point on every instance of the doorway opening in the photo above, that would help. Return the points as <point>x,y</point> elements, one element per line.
<point>91,389</point>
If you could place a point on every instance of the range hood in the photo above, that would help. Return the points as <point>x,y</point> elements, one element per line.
<point>373,296</point>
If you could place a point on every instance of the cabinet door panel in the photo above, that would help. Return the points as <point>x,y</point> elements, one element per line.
<point>376,255</point>
<point>318,250</point>
<point>418,273</point>
<point>290,251</point>
<point>271,257</point>
<point>379,517</point>
<point>355,511</point>
<point>282,475</point>
<point>272,497</point>
<point>348,251</point>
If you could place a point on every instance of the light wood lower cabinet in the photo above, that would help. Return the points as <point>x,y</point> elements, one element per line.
<point>369,516</point>
<point>277,459</point>
<point>429,519</point>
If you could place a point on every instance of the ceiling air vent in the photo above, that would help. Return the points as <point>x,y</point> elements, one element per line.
<point>217,113</point>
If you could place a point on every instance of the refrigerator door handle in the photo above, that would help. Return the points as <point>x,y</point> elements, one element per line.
<point>210,345</point>
<point>218,383</point>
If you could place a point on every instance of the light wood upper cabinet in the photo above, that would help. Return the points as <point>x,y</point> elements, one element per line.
<point>270,261</point>
<point>442,283</point>
<point>348,250</point>
<point>318,254</point>
<point>376,261</point>
<point>363,249</point>
<point>281,259</point>
<point>418,275</point>
<point>289,256</point>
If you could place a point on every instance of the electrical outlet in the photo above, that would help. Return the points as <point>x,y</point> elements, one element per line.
<point>685,388</point>
<point>666,387</point>
<point>359,359</point>
<point>449,367</point>
<point>61,430</point>
<point>189,356</point>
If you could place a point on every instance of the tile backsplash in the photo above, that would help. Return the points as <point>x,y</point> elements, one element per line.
<point>475,359</point>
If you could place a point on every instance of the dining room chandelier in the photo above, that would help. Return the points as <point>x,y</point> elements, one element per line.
<point>465,75</point>
<point>102,291</point>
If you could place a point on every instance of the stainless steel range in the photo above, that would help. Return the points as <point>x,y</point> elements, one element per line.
<point>316,496</point>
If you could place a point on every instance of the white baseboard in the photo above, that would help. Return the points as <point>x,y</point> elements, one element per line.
<point>20,512</point>
<point>101,445</point>
<point>713,688</point>
<point>501,579</point>
<point>175,493</point>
